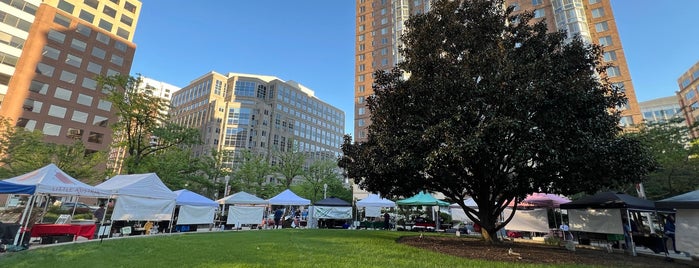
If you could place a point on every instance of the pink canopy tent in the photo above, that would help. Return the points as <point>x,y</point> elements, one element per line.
<point>541,200</point>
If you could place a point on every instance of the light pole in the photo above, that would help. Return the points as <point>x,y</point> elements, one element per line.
<point>225,190</point>
<point>325,190</point>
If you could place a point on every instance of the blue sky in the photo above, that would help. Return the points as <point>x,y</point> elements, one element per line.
<point>312,42</point>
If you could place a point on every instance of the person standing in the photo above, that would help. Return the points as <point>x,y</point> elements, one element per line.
<point>670,231</point>
<point>99,214</point>
<point>278,218</point>
<point>386,221</point>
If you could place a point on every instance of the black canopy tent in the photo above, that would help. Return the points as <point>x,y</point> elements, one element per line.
<point>596,211</point>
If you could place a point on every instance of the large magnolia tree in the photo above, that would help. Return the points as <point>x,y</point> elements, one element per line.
<point>494,108</point>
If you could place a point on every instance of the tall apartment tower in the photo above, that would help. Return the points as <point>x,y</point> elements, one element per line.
<point>380,23</point>
<point>51,52</point>
<point>260,113</point>
<point>688,84</point>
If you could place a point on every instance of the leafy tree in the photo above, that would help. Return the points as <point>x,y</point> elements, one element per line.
<point>142,121</point>
<point>178,169</point>
<point>676,156</point>
<point>250,175</point>
<point>289,164</point>
<point>494,108</point>
<point>319,174</point>
<point>24,151</point>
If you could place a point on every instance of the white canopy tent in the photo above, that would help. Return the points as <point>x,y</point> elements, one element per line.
<point>245,208</point>
<point>141,197</point>
<point>458,213</point>
<point>288,198</point>
<point>194,208</point>
<point>51,180</point>
<point>373,203</point>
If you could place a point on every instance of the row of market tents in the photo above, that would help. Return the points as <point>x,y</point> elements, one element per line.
<point>143,197</point>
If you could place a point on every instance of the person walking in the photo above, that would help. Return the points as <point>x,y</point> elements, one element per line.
<point>670,231</point>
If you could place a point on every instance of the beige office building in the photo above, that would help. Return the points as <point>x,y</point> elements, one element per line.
<point>260,113</point>
<point>51,51</point>
<point>379,23</point>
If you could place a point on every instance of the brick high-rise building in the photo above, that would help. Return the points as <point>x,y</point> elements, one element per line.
<point>379,24</point>
<point>688,84</point>
<point>50,53</point>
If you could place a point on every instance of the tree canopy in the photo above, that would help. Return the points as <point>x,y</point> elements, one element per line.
<point>490,105</point>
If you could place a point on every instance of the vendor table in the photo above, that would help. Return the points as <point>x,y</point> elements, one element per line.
<point>84,230</point>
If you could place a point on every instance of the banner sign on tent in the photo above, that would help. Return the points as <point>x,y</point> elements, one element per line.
<point>333,212</point>
<point>196,215</point>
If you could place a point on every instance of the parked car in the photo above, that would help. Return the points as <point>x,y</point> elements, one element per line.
<point>80,205</point>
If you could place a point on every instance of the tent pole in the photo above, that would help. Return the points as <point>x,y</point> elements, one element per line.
<point>628,221</point>
<point>21,221</point>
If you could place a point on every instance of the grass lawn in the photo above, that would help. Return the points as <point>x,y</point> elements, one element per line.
<point>266,248</point>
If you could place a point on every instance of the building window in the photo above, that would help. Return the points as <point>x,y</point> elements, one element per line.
<point>605,41</point>
<point>120,46</point>
<point>51,129</point>
<point>609,56</point>
<point>360,88</point>
<point>594,1</point>
<point>89,83</point>
<point>44,69</point>
<point>100,121</point>
<point>539,13</point>
<point>57,111</point>
<point>73,60</point>
<point>602,26</point>
<point>94,67</point>
<point>130,7</point>
<point>109,11</point>
<point>626,121</point>
<point>79,116</point>
<point>92,3</point>
<point>95,137</point>
<point>74,133</point>
<point>57,36</point>
<point>61,20</point>
<point>65,6</point>
<point>536,2</point>
<point>690,94</point>
<point>84,30</point>
<point>126,20</point>
<point>598,12</point>
<point>38,87</point>
<point>619,86</point>
<point>361,111</point>
<point>117,60</point>
<point>360,122</point>
<point>105,25</point>
<point>360,99</point>
<point>98,52</point>
<point>87,16</point>
<point>104,105</point>
<point>103,38</point>
<point>85,100</point>
<point>78,45</point>
<point>123,33</point>
<point>50,52</point>
<point>62,93</point>
<point>68,77</point>
<point>613,71</point>
<point>32,106</point>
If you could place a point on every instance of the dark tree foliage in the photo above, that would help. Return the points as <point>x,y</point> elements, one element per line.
<point>495,108</point>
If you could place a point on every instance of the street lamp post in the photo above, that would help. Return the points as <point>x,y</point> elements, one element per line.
<point>325,190</point>
<point>225,190</point>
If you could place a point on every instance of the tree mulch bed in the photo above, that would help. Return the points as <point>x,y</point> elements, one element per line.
<point>474,248</point>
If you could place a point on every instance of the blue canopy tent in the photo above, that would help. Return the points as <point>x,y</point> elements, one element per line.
<point>13,188</point>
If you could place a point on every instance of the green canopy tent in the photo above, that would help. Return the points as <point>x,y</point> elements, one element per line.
<point>424,199</point>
